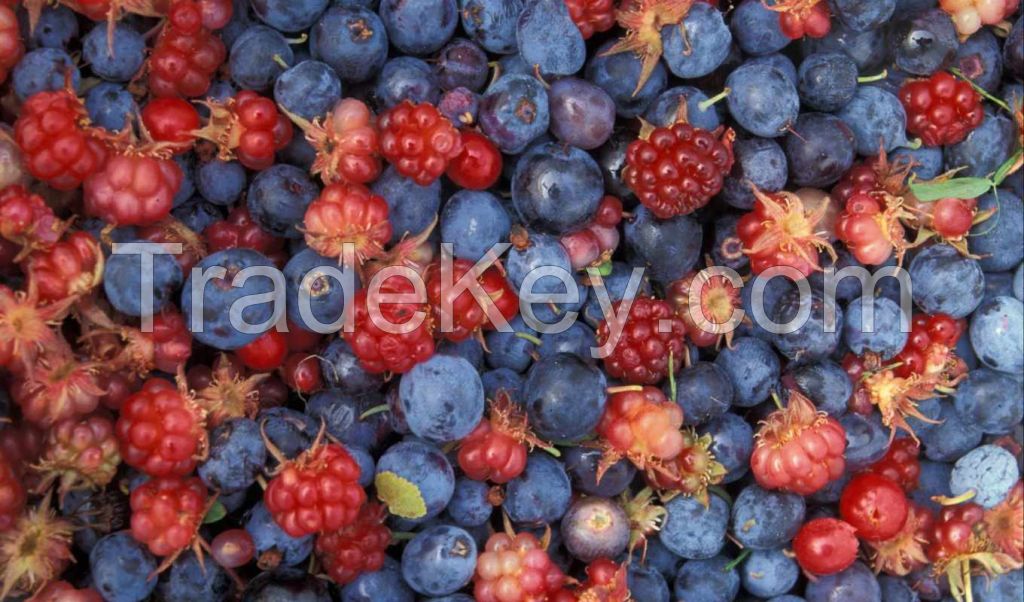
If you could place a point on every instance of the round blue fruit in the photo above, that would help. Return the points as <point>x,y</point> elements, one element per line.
<point>564,397</point>
<point>442,398</point>
<point>414,479</point>
<point>765,520</point>
<point>541,494</point>
<point>997,334</point>
<point>693,530</point>
<point>440,560</point>
<point>353,41</point>
<point>557,188</point>
<point>989,471</point>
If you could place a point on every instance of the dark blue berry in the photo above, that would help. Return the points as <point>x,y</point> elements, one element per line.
<point>353,41</point>
<point>236,456</point>
<point>564,397</point>
<point>419,27</point>
<point>439,560</point>
<point>252,62</point>
<point>121,568</point>
<point>278,197</point>
<point>541,494</point>
<point>310,89</point>
<point>514,111</point>
<point>692,529</point>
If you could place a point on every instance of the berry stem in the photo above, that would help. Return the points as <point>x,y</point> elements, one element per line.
<point>953,501</point>
<point>280,61</point>
<point>777,401</point>
<point>377,409</point>
<point>913,144</point>
<point>397,536</point>
<point>704,105</point>
<point>529,337</point>
<point>625,389</point>
<point>735,563</point>
<point>984,93</point>
<point>672,376</point>
<point>867,79</point>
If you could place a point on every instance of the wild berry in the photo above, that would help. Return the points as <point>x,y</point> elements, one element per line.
<point>825,546</point>
<point>799,18</point>
<point>56,386</point>
<point>27,326</point>
<point>59,145</point>
<point>650,335</point>
<point>26,220</point>
<point>69,268</point>
<point>515,567</point>
<point>478,165</point>
<point>875,506</point>
<point>346,143</point>
<point>904,552</point>
<point>459,316</point>
<point>233,548</point>
<point>643,21</point>
<point>247,127</point>
<point>62,591</point>
<point>1004,524</point>
<point>265,353</point>
<point>418,140</point>
<point>900,464</point>
<point>223,391</point>
<point>167,512</point>
<point>80,453</point>
<point>301,372</point>
<point>12,494</point>
<point>871,195</point>
<point>357,548</point>
<point>171,120</point>
<point>347,214</point>
<point>594,245</point>
<point>172,231</point>
<point>239,231</point>
<point>133,189</point>
<point>717,300</point>
<point>970,15</point>
<point>693,470</point>
<point>592,16</point>
<point>941,110</point>
<point>161,430</point>
<point>34,551</point>
<point>782,232</point>
<point>496,449</point>
<point>407,336</point>
<point>183,63</point>
<point>11,48</point>
<point>642,425</point>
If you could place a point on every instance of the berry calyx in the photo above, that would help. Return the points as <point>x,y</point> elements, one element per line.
<point>27,326</point>
<point>357,548</point>
<point>161,430</point>
<point>692,471</point>
<point>643,21</point>
<point>56,386</point>
<point>781,232</point>
<point>904,552</point>
<point>346,143</point>
<point>167,512</point>
<point>825,546</point>
<point>407,336</point>
<point>496,449</point>
<point>478,166</point>
<point>347,214</point>
<point>875,506</point>
<point>1004,524</point>
<point>515,567</point>
<point>223,391</point>
<point>418,140</point>
<point>708,319</point>
<point>34,551</point>
<point>650,334</point>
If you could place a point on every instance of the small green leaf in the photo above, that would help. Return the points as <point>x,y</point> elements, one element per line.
<point>957,188</point>
<point>1004,169</point>
<point>605,268</point>
<point>402,497</point>
<point>217,511</point>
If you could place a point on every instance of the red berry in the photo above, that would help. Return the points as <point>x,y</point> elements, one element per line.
<point>56,386</point>
<point>69,268</point>
<point>874,505</point>
<point>356,549</point>
<point>80,453</point>
<point>26,219</point>
<point>458,314</point>
<point>170,232</point>
<point>496,449</point>
<point>347,214</point>
<point>160,430</point>
<point>592,16</point>
<point>263,130</point>
<point>62,591</point>
<point>59,147</point>
<point>799,18</point>
<point>216,13</point>
<point>12,495</point>
<point>781,232</point>
<point>346,143</point>
<point>133,190</point>
<point>11,48</point>
<point>185,16</point>
<point>182,64</point>
<point>239,231</point>
<point>798,448</point>
<point>265,353</point>
<point>418,140</point>
<point>402,343</point>
<point>301,372</point>
<point>232,548</point>
<point>717,301</point>
<point>905,551</point>
<point>942,110</point>
<point>171,120</point>
<point>478,166</point>
<point>650,334</point>
<point>953,533</point>
<point>970,15</point>
<point>318,492</point>
<point>952,218</point>
<point>515,568</point>
<point>692,471</point>
<point>642,426</point>
<point>825,546</point>
<point>677,169</point>
<point>900,464</point>
<point>167,512</point>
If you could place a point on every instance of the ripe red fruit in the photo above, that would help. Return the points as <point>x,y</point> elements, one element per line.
<point>781,232</point>
<point>870,230</point>
<point>301,372</point>
<point>798,448</point>
<point>12,494</point>
<point>265,353</point>
<point>171,120</point>
<point>80,453</point>
<point>515,567</point>
<point>356,549</point>
<point>900,464</point>
<point>825,546</point>
<point>347,214</point>
<point>692,471</point>
<point>263,130</point>
<point>874,505</point>
<point>318,492</point>
<point>418,140</point>
<point>941,110</point>
<point>67,269</point>
<point>676,170</point>
<point>161,430</point>
<point>167,512</point>
<point>953,532</point>
<point>171,231</point>
<point>641,424</point>
<point>11,48</point>
<point>595,244</point>
<point>25,219</point>
<point>133,190</point>
<point>460,314</point>
<point>592,16</point>
<point>651,333</point>
<point>215,13</point>
<point>346,143</point>
<point>970,15</point>
<point>56,386</point>
<point>799,18</point>
<point>59,146</point>
<point>232,548</point>
<point>496,449</point>
<point>905,551</point>
<point>401,346</point>
<point>183,63</point>
<point>478,166</point>
<point>185,16</point>
<point>238,230</point>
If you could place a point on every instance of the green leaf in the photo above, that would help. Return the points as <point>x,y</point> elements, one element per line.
<point>957,188</point>
<point>402,497</point>
<point>1004,169</point>
<point>217,511</point>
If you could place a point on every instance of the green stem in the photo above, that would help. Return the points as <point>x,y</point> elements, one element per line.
<point>996,101</point>
<point>529,337</point>
<point>735,563</point>
<point>704,105</point>
<point>867,79</point>
<point>377,409</point>
<point>671,375</point>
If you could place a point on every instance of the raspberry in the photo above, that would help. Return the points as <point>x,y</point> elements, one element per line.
<point>692,471</point>
<point>239,231</point>
<point>515,567</point>
<point>263,130</point>
<point>265,353</point>
<point>356,549</point>
<point>717,299</point>
<point>798,448</point>
<point>676,170</point>
<point>641,424</point>
<point>652,333</point>
<point>160,430</point>
<point>606,581</point>
<point>183,63</point>
<point>58,144</point>
<point>11,48</point>
<point>171,120</point>
<point>900,464</point>
<point>592,16</point>
<point>969,15</point>
<point>799,18</point>
<point>396,352</point>
<point>941,109</point>
<point>595,244</point>
<point>318,492</point>
<point>133,190</point>
<point>26,220</point>
<point>780,232</point>
<point>870,230</point>
<point>12,494</point>
<point>70,268</point>
<point>904,552</point>
<point>346,144</point>
<point>496,449</point>
<point>56,386</point>
<point>34,551</point>
<point>167,512</point>
<point>418,140</point>
<point>347,214</point>
<point>81,453</point>
<point>459,317</point>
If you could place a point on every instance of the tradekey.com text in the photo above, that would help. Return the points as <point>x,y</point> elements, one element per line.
<point>549,287</point>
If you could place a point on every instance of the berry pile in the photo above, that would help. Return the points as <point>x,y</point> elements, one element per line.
<point>511,300</point>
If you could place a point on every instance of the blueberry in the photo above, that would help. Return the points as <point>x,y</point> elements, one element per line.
<point>595,527</point>
<point>564,397</point>
<point>1018,282</point>
<point>732,442</point>
<point>819,150</point>
<point>509,350</point>
<point>827,81</point>
<point>470,506</point>
<point>692,530</point>
<point>614,287</point>
<point>875,324</point>
<point>287,15</point>
<point>582,114</point>
<point>705,46</point>
<point>502,379</point>
<point>541,494</point>
<point>342,413</point>
<point>657,557</point>
<point>670,248</point>
<point>997,284</point>
<point>826,384</point>
<point>707,581</point>
<point>251,60</point>
<point>758,161</point>
<point>763,99</point>
<point>309,89</point>
<point>867,439</point>
<point>664,111</point>
<point>612,159</point>
<point>442,398</point>
<point>869,49</point>
<point>989,471</point>
<point>492,23</point>
<point>752,368</point>
<point>187,164</point>
<point>647,584</point>
<point>461,106</point>
<point>317,290</point>
<point>981,59</point>
<point>291,431</point>
<point>875,116</point>
<point>765,520</point>
<point>188,579</point>
<point>618,75</point>
<point>128,279</point>
<point>814,339</point>
<point>341,370</point>
<point>121,568</point>
<point>115,59</point>
<point>927,161</point>
<point>992,401</point>
<point>353,41</point>
<point>385,584</point>
<point>42,70</point>
<point>944,281</point>
<point>278,197</point>
<point>727,248</point>
<point>855,584</point>
<point>704,391</point>
<point>514,111</point>
<point>934,481</point>
<point>578,340</point>
<point>440,560</point>
<point>1001,588</point>
<point>419,27</point>
<point>473,222</point>
<point>412,208</point>
<point>469,350</point>
<point>462,64</point>
<point>557,188</point>
<point>951,438</point>
<point>414,479</point>
<point>220,182</point>
<point>926,43</point>
<point>997,334</point>
<point>539,251</point>
<point>864,15</point>
<point>768,573</point>
<point>286,584</point>
<point>1013,49</point>
<point>582,463</point>
<point>757,29</point>
<point>999,240</point>
<point>984,149</point>
<point>548,38</point>
<point>110,105</point>
<point>236,456</point>
<point>56,26</point>
<point>895,589</point>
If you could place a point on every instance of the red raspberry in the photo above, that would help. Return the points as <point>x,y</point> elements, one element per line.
<point>356,549</point>
<point>263,130</point>
<point>12,495</point>
<point>171,340</point>
<point>347,214</point>
<point>161,430</point>
<point>718,299</point>
<point>347,148</point>
<point>478,166</point>
<point>874,505</point>
<point>418,140</point>
<point>781,231</point>
<point>825,546</point>
<point>900,464</point>
<point>515,568</point>
<point>59,146</point>
<point>875,176</point>
<point>81,453</point>
<point>167,512</point>
<point>799,18</point>
<point>26,219</point>
<point>676,170</point>
<point>185,16</point>
<point>56,386</point>
<point>318,492</point>
<point>953,532</point>
<point>692,471</point>
<point>592,16</point>
<point>496,449</point>
<point>182,64</point>
<point>133,190</point>
<point>456,318</point>
<point>904,552</point>
<point>68,269</point>
<point>595,244</point>
<point>171,120</point>
<point>62,591</point>
<point>395,351</point>
<point>651,334</point>
<point>798,448</point>
<point>239,231</point>
<point>11,48</point>
<point>641,424</point>
<point>970,15</point>
<point>941,109</point>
